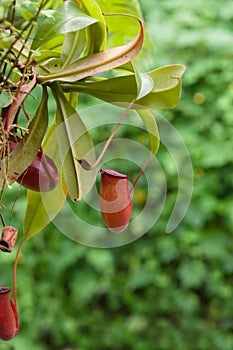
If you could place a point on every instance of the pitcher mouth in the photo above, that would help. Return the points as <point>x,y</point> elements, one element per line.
<point>4,290</point>
<point>112,173</point>
<point>4,246</point>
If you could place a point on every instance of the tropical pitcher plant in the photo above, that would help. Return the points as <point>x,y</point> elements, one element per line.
<point>64,48</point>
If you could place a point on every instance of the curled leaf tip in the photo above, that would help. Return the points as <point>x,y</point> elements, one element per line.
<point>84,164</point>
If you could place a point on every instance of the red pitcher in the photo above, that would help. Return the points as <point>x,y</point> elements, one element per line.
<point>8,315</point>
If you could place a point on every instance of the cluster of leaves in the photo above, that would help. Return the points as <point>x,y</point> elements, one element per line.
<point>64,46</point>
<point>173,290</point>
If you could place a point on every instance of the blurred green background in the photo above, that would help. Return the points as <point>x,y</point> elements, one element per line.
<point>164,291</point>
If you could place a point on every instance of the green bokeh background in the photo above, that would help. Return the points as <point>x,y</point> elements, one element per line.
<point>164,291</point>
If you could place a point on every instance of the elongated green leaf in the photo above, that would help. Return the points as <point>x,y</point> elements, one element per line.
<point>68,18</point>
<point>25,152</point>
<point>91,39</point>
<point>43,207</point>
<point>45,56</point>
<point>165,92</point>
<point>98,62</point>
<point>73,46</point>
<point>53,44</point>
<point>120,89</point>
<point>74,143</point>
<point>51,49</point>
<point>96,38</point>
<point>152,129</point>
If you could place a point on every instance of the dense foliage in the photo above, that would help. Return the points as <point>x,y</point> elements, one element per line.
<point>164,291</point>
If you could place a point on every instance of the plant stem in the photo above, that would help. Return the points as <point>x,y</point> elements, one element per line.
<point>18,56</point>
<point>19,36</point>
<point>84,163</point>
<point>141,171</point>
<point>15,271</point>
<point>2,219</point>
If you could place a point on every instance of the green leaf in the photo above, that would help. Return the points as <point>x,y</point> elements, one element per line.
<point>6,38</point>
<point>152,129</point>
<point>68,18</point>
<point>96,35</point>
<point>164,94</point>
<point>73,46</point>
<point>25,152</point>
<point>44,57</point>
<point>43,207</point>
<point>121,30</point>
<point>4,7</point>
<point>74,143</point>
<point>70,46</point>
<point>167,87</point>
<point>118,6</point>
<point>51,49</point>
<point>98,62</point>
<point>5,99</point>
<point>51,66</point>
<point>119,89</point>
<point>53,44</point>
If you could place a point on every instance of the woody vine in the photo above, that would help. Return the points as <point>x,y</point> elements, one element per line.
<point>67,48</point>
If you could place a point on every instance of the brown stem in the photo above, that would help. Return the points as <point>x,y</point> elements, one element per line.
<point>2,219</point>
<point>141,171</point>
<point>18,56</point>
<point>15,271</point>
